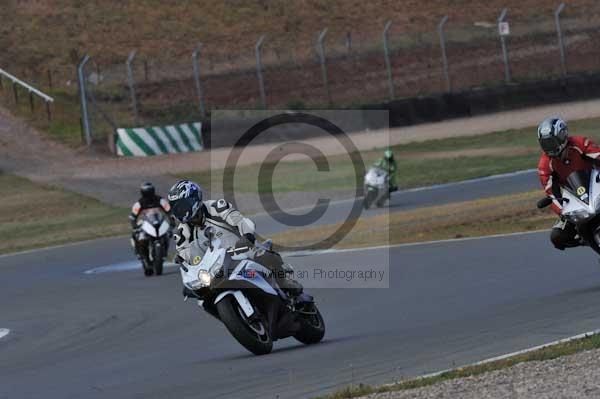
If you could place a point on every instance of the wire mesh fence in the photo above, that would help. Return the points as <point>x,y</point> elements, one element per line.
<point>352,69</point>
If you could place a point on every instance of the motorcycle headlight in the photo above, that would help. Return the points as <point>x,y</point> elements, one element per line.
<point>578,216</point>
<point>204,278</point>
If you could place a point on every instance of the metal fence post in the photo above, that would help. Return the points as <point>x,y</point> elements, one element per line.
<point>131,82</point>
<point>443,47</point>
<point>261,83</point>
<point>321,50</point>
<point>85,120</point>
<point>561,45</point>
<point>196,64</point>
<point>502,18</point>
<point>386,53</point>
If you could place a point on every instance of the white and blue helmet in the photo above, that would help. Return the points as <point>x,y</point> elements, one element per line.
<point>553,135</point>
<point>185,198</point>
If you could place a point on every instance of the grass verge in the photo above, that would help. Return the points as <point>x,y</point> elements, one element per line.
<point>505,214</point>
<point>34,215</point>
<point>419,164</point>
<point>546,353</point>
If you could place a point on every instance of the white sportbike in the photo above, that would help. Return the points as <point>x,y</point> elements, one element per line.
<point>153,235</point>
<point>244,295</point>
<point>377,187</point>
<point>580,199</point>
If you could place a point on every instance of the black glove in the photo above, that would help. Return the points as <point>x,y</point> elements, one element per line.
<point>250,237</point>
<point>243,242</point>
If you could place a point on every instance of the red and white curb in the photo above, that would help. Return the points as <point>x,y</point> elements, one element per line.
<point>4,332</point>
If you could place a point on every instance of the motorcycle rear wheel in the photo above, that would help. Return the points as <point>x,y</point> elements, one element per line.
<point>252,335</point>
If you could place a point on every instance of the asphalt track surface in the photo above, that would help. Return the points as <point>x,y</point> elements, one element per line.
<point>122,335</point>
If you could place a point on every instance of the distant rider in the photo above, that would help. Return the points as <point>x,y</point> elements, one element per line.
<point>388,163</point>
<point>561,156</point>
<point>148,200</point>
<point>230,226</point>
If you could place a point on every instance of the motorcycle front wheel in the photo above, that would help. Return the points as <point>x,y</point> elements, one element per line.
<point>157,261</point>
<point>312,326</point>
<point>147,265</point>
<point>592,236</point>
<point>369,198</point>
<point>252,334</point>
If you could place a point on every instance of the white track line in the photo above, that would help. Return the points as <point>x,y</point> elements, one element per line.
<point>135,265</point>
<point>509,355</point>
<point>425,188</point>
<point>4,332</point>
<point>121,267</point>
<point>463,182</point>
<point>409,244</point>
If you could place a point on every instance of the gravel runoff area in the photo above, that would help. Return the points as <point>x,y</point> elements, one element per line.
<point>573,376</point>
<point>25,152</point>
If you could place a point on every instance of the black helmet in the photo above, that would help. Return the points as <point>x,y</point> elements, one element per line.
<point>185,198</point>
<point>147,190</point>
<point>553,135</point>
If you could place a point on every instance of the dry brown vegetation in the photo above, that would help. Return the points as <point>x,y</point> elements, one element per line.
<point>54,33</point>
<point>35,215</point>
<point>505,214</point>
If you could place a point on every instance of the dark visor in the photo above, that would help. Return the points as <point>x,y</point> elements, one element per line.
<point>550,145</point>
<point>182,209</point>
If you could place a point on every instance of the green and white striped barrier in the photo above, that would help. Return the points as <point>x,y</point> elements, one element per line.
<point>148,141</point>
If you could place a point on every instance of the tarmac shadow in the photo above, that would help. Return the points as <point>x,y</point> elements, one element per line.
<point>289,349</point>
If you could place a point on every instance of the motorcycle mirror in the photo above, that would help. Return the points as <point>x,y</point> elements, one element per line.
<point>544,202</point>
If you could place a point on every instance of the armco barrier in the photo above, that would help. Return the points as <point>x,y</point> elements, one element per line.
<point>148,141</point>
<point>472,102</point>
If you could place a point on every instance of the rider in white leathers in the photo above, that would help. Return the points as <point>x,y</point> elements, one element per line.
<point>230,226</point>
<point>228,223</point>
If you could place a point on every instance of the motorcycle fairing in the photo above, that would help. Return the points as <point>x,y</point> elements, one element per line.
<point>257,279</point>
<point>241,299</point>
<point>154,223</point>
<point>581,198</point>
<point>376,177</point>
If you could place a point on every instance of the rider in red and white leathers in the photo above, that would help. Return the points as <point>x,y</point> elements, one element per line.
<point>562,156</point>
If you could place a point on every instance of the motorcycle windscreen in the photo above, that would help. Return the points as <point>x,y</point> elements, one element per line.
<point>154,216</point>
<point>578,183</point>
